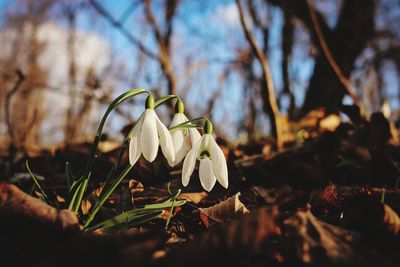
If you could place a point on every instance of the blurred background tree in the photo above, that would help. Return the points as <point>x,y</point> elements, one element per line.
<point>73,57</point>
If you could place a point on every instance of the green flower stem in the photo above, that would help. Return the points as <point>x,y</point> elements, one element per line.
<point>76,195</point>
<point>119,100</point>
<point>120,155</point>
<point>107,192</point>
<point>35,180</point>
<point>166,98</point>
<point>190,124</point>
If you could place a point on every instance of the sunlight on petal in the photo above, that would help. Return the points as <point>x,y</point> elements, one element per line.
<point>194,135</point>
<point>134,145</point>
<point>148,136</point>
<point>219,163</point>
<point>178,138</point>
<point>189,163</point>
<point>167,147</point>
<point>207,177</point>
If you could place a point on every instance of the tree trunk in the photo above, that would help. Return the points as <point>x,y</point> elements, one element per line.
<point>354,28</point>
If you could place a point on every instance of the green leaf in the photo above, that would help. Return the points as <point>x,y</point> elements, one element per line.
<point>105,194</point>
<point>124,221</point>
<point>79,194</point>
<point>36,181</point>
<point>137,216</point>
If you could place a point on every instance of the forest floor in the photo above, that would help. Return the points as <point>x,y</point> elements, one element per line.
<point>331,197</point>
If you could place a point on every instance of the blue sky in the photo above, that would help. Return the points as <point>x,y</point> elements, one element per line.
<point>205,31</point>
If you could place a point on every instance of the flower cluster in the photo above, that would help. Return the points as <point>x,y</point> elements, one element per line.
<point>179,143</point>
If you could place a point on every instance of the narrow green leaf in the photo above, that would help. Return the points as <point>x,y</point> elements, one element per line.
<point>36,181</point>
<point>124,221</point>
<point>138,215</point>
<point>107,192</point>
<point>73,191</point>
<point>80,192</point>
<point>170,214</point>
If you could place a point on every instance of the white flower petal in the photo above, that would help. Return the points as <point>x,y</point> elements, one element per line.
<point>179,138</point>
<point>205,142</point>
<point>180,145</point>
<point>178,118</point>
<point>194,135</point>
<point>189,163</point>
<point>167,147</point>
<point>134,146</point>
<point>148,136</point>
<point>219,163</point>
<point>207,177</point>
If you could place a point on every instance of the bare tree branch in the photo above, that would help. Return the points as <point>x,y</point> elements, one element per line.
<point>163,43</point>
<point>269,100</point>
<point>329,57</point>
<point>102,11</point>
<point>8,97</point>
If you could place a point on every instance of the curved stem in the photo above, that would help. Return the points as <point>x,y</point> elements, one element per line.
<point>188,124</point>
<point>76,198</point>
<point>164,99</point>
<point>119,100</point>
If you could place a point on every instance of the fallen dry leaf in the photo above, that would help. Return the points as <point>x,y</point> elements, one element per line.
<point>194,198</point>
<point>226,209</point>
<point>391,220</point>
<point>135,186</point>
<point>86,206</point>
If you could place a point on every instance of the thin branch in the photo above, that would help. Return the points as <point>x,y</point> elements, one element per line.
<point>102,11</point>
<point>269,94</point>
<point>8,97</point>
<point>331,60</point>
<point>165,58</point>
<point>128,11</point>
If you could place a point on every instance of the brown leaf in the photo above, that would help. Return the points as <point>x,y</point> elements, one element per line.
<point>391,220</point>
<point>60,199</point>
<point>194,198</point>
<point>135,186</point>
<point>86,206</point>
<point>226,209</point>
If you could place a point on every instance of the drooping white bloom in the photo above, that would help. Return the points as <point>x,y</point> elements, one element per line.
<point>183,139</point>
<point>149,133</point>
<point>212,162</point>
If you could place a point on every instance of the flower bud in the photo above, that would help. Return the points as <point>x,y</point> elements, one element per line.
<point>208,127</point>
<point>149,102</point>
<point>179,106</point>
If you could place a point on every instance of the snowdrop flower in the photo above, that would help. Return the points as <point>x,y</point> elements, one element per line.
<point>183,139</point>
<point>212,161</point>
<point>148,133</point>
